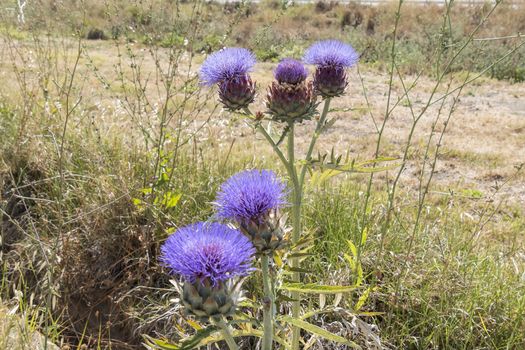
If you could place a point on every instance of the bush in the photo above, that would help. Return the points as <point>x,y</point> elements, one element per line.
<point>96,34</point>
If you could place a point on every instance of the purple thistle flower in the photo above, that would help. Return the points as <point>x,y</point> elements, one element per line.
<point>290,71</point>
<point>208,251</point>
<point>250,195</point>
<point>331,53</point>
<point>226,64</point>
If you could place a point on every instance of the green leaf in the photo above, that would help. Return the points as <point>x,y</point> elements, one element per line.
<point>364,236</point>
<point>305,242</point>
<point>298,269</point>
<point>195,340</point>
<point>146,190</point>
<point>313,288</point>
<point>300,255</point>
<point>362,299</point>
<point>159,344</point>
<point>350,260</point>
<point>171,200</point>
<point>321,332</point>
<point>189,343</point>
<point>353,248</point>
<point>371,313</point>
<point>138,203</point>
<point>244,333</point>
<point>277,259</point>
<point>359,272</point>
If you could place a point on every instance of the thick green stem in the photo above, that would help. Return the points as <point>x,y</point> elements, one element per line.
<point>228,337</point>
<point>297,195</point>
<point>296,232</point>
<point>268,305</point>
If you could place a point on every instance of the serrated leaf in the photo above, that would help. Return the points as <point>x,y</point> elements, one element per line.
<point>364,236</point>
<point>310,288</point>
<point>244,333</point>
<point>283,297</point>
<point>362,299</point>
<point>321,332</point>
<point>352,247</point>
<point>350,260</point>
<point>303,243</point>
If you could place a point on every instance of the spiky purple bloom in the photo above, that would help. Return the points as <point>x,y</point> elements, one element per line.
<point>250,195</point>
<point>290,71</point>
<point>209,251</point>
<point>331,53</point>
<point>226,64</point>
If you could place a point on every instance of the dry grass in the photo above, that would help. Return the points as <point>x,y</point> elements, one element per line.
<point>483,143</point>
<point>108,278</point>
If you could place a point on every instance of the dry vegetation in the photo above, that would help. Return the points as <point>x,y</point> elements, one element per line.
<point>87,125</point>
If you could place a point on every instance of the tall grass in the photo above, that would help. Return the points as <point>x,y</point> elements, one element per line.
<point>93,160</point>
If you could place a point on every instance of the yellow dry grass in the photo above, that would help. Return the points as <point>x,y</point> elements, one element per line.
<point>484,141</point>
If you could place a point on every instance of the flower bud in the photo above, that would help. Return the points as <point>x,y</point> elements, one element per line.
<point>289,102</point>
<point>267,233</point>
<point>229,68</point>
<point>252,199</point>
<point>330,81</point>
<point>331,58</point>
<point>205,300</point>
<point>211,258</point>
<point>290,98</point>
<point>237,93</point>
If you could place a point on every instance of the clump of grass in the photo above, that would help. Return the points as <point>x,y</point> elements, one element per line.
<point>445,271</point>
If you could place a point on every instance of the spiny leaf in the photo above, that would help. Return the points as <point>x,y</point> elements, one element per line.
<point>313,329</point>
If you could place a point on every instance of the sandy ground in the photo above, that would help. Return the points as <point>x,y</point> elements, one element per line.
<point>484,140</point>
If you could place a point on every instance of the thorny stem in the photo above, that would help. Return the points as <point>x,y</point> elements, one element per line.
<point>268,304</point>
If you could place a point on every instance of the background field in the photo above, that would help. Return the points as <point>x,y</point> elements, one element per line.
<point>103,122</point>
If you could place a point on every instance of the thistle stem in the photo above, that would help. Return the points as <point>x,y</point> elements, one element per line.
<point>315,136</point>
<point>228,337</point>
<point>296,233</point>
<point>268,305</point>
